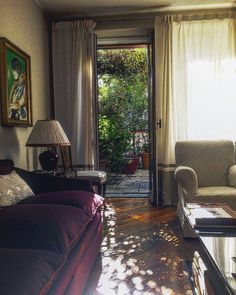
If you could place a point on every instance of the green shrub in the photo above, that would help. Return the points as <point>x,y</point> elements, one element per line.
<point>123,103</point>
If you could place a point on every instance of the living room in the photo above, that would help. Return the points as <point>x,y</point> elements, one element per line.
<point>29,24</point>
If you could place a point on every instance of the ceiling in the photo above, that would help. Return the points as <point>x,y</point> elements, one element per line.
<point>117,7</point>
<point>138,15</point>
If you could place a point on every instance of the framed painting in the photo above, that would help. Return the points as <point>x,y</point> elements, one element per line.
<point>15,85</point>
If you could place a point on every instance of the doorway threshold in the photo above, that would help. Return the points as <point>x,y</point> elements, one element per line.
<point>125,185</point>
<point>127,195</point>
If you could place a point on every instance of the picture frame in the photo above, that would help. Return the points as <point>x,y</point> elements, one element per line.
<point>15,85</point>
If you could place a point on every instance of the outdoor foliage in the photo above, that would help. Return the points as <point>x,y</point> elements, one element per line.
<point>123,103</point>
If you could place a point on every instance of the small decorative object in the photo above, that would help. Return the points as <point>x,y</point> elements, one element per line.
<point>132,164</point>
<point>49,133</point>
<point>15,86</point>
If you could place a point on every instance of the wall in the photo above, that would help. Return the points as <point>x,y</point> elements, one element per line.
<point>24,24</point>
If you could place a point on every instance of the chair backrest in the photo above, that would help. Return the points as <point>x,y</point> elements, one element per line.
<point>211,159</point>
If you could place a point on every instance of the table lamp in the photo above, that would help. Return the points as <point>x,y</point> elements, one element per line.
<point>48,133</point>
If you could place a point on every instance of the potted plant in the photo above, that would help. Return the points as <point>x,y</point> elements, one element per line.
<point>114,143</point>
<point>145,156</point>
<point>142,147</point>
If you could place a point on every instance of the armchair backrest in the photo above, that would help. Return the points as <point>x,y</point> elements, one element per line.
<point>211,160</point>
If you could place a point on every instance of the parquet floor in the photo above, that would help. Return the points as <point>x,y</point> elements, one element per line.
<point>143,252</point>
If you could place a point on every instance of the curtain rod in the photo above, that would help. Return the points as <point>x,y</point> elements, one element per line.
<point>134,17</point>
<point>101,19</point>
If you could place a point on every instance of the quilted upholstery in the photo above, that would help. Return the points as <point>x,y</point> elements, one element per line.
<point>210,160</point>
<point>187,178</point>
<point>217,194</point>
<point>205,173</point>
<point>232,176</point>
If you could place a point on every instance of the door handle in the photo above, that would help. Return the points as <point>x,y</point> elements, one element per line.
<point>159,123</point>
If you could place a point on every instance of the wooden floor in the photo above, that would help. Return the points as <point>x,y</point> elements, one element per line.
<point>143,251</point>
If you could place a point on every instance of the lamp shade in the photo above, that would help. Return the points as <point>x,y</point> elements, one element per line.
<point>47,133</point>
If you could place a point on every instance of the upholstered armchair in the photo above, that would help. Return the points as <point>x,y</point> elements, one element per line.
<point>205,173</point>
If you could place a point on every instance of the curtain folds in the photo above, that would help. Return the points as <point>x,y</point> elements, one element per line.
<point>195,70</point>
<point>74,78</point>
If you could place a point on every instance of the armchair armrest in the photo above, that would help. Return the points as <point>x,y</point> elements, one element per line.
<point>232,176</point>
<point>186,177</point>
<point>41,183</point>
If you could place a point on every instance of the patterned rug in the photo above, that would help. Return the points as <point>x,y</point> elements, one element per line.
<point>121,184</point>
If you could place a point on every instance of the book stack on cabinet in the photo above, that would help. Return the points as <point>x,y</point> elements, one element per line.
<point>210,215</point>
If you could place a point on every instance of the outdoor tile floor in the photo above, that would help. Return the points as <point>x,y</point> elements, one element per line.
<point>128,185</point>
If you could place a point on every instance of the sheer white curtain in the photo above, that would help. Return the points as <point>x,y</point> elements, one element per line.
<point>196,74</point>
<point>74,52</point>
<point>206,69</point>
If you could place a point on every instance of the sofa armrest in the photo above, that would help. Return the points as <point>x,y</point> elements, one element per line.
<point>186,177</point>
<point>232,176</point>
<point>41,183</point>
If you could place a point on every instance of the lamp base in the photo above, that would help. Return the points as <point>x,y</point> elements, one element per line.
<point>48,160</point>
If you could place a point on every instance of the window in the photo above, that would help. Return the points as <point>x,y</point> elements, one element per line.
<point>204,78</point>
<point>211,100</point>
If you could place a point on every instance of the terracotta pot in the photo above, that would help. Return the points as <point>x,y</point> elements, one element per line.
<point>145,160</point>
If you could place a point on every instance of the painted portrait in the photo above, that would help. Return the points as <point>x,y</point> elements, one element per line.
<point>15,85</point>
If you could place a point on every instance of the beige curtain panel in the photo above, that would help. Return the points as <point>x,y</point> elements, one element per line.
<point>195,70</point>
<point>74,52</point>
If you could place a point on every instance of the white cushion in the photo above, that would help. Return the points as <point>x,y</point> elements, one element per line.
<point>92,175</point>
<point>216,194</point>
<point>13,189</point>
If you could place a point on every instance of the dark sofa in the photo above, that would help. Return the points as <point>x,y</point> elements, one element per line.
<point>49,241</point>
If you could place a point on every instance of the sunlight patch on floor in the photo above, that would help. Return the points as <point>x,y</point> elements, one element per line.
<point>124,273</point>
